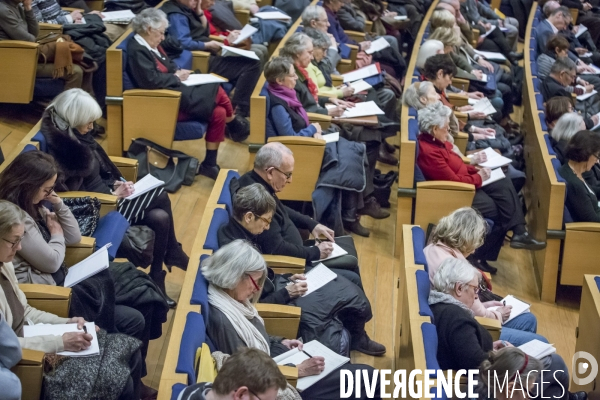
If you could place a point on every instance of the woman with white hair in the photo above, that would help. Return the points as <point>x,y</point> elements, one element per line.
<point>497,201</point>
<point>464,344</point>
<point>566,127</point>
<point>151,68</point>
<point>236,274</point>
<point>85,166</point>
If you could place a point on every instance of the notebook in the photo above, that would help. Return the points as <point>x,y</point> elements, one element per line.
<point>401,17</point>
<point>93,264</point>
<point>245,33</point>
<point>581,31</point>
<point>360,85</point>
<point>494,160</point>
<point>317,277</point>
<point>518,307</point>
<point>337,252</point>
<point>315,349</point>
<point>484,106</point>
<point>239,52</point>
<point>273,15</point>
<point>362,73</point>
<point>496,175</point>
<point>118,17</point>
<point>203,79</point>
<point>585,95</point>
<point>377,45</point>
<point>537,349</point>
<point>488,32</point>
<point>332,137</point>
<point>58,330</point>
<point>144,185</point>
<point>490,55</point>
<point>364,109</point>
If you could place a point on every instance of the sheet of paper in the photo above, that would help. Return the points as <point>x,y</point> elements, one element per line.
<point>518,307</point>
<point>360,86</point>
<point>361,73</point>
<point>239,52</point>
<point>318,277</point>
<point>585,95</point>
<point>144,185</point>
<point>272,15</point>
<point>484,106</point>
<point>202,79</point>
<point>586,55</point>
<point>401,17</point>
<point>503,29</point>
<point>332,361</point>
<point>496,175</point>
<point>377,45</point>
<point>118,16</point>
<point>332,137</point>
<point>335,253</point>
<point>494,160</point>
<point>96,262</point>
<point>581,31</point>
<point>488,32</point>
<point>58,330</point>
<point>364,109</point>
<point>598,124</point>
<point>537,349</point>
<point>490,55</point>
<point>245,33</point>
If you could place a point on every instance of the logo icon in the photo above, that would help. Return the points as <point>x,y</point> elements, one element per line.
<point>580,367</point>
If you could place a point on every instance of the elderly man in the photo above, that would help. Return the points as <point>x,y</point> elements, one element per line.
<point>481,14</point>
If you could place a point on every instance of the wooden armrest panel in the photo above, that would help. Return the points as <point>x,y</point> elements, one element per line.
<point>39,291</point>
<point>489,323</point>
<point>152,93</point>
<point>315,117</point>
<point>583,226</point>
<point>277,311</point>
<point>17,44</point>
<point>355,34</point>
<point>124,161</point>
<point>104,198</point>
<point>290,374</point>
<point>462,135</point>
<point>32,357</point>
<point>86,242</point>
<point>283,261</point>
<point>298,140</point>
<point>354,46</point>
<point>50,27</point>
<point>337,80</point>
<point>446,185</point>
<point>458,100</point>
<point>220,39</point>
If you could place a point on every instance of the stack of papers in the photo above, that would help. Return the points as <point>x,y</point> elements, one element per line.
<point>488,32</point>
<point>84,269</point>
<point>484,106</point>
<point>118,17</point>
<point>490,55</point>
<point>202,79</point>
<point>496,175</point>
<point>239,52</point>
<point>537,349</point>
<point>366,109</point>
<point>245,33</point>
<point>58,330</point>
<point>581,31</point>
<point>318,277</point>
<point>361,73</point>
<point>518,307</point>
<point>273,15</point>
<point>377,45</point>
<point>494,160</point>
<point>360,86</point>
<point>145,184</point>
<point>336,252</point>
<point>585,95</point>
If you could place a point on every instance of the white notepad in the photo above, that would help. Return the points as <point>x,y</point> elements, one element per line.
<point>484,106</point>
<point>364,109</point>
<point>245,33</point>
<point>202,79</point>
<point>332,137</point>
<point>585,95</point>
<point>239,52</point>
<point>496,175</point>
<point>361,73</point>
<point>377,45</point>
<point>124,16</point>
<point>581,31</point>
<point>317,277</point>
<point>58,330</point>
<point>360,86</point>
<point>488,32</point>
<point>518,307</point>
<point>273,15</point>
<point>96,262</point>
<point>596,70</point>
<point>494,160</point>
<point>335,253</point>
<point>401,17</point>
<point>144,185</point>
<point>537,349</point>
<point>332,361</point>
<point>490,55</point>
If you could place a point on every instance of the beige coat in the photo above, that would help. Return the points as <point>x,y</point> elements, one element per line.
<point>46,343</point>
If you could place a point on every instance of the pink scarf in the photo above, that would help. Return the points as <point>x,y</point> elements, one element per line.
<point>289,96</point>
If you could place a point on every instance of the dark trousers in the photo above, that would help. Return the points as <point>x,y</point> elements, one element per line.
<point>328,388</point>
<point>499,202</point>
<point>242,72</point>
<point>496,42</point>
<point>133,323</point>
<point>99,84</point>
<point>134,382</point>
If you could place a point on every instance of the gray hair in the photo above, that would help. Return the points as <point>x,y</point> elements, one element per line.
<point>252,198</point>
<point>226,268</point>
<point>320,39</point>
<point>452,271</point>
<point>507,361</point>
<point>567,126</point>
<point>77,107</point>
<point>430,48</point>
<point>311,13</point>
<point>413,93</point>
<point>433,115</point>
<point>270,155</point>
<point>549,7</point>
<point>277,68</point>
<point>463,230</point>
<point>149,18</point>
<point>295,45</point>
<point>10,216</point>
<point>562,64</point>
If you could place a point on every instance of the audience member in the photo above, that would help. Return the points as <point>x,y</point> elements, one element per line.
<point>566,127</point>
<point>555,108</point>
<point>10,355</point>
<point>482,14</point>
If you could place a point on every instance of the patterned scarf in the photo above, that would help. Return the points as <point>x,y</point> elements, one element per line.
<point>311,85</point>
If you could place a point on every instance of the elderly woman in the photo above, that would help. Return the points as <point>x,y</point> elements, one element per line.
<point>151,68</point>
<point>236,273</point>
<point>187,23</point>
<point>84,166</point>
<point>555,108</point>
<point>582,154</point>
<point>463,343</point>
<point>92,380</point>
<point>461,235</point>
<point>566,127</point>
<point>497,201</point>
<point>343,304</point>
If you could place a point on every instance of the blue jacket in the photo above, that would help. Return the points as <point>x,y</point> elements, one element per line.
<point>543,33</point>
<point>336,29</point>
<point>279,123</point>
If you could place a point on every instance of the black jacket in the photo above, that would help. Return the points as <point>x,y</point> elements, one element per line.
<point>462,342</point>
<point>282,237</point>
<point>90,36</point>
<point>550,88</point>
<point>582,205</point>
<point>197,30</point>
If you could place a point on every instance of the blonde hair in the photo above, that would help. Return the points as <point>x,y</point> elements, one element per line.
<point>442,18</point>
<point>463,230</point>
<point>448,36</point>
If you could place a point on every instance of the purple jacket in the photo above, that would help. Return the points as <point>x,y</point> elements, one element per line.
<point>336,29</point>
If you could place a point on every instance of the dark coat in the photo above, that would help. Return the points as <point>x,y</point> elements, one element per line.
<point>90,36</point>
<point>550,88</point>
<point>282,237</point>
<point>582,205</point>
<point>223,16</point>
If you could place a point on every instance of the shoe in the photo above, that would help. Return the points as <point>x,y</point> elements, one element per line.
<point>179,259</point>
<point>386,157</point>
<point>373,209</point>
<point>388,147</point>
<point>148,393</point>
<point>356,227</point>
<point>516,56</point>
<point>578,396</point>
<point>209,172</point>
<point>367,346</point>
<point>482,265</point>
<point>97,130</point>
<point>159,280</point>
<point>525,241</point>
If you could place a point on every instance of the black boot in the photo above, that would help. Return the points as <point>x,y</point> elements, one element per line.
<point>177,258</point>
<point>159,280</point>
<point>367,346</point>
<point>356,227</point>
<point>373,209</point>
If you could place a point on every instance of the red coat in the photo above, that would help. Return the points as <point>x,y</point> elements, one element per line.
<point>439,163</point>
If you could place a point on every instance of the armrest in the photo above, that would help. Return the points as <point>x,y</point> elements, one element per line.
<point>291,140</point>
<point>458,100</point>
<point>220,39</point>
<point>285,264</point>
<point>466,160</point>
<point>368,26</point>
<point>277,311</point>
<point>460,83</point>
<point>493,326</point>
<point>355,35</point>
<point>152,93</point>
<point>19,44</point>
<point>77,252</point>
<point>243,16</point>
<point>337,80</point>
<point>104,198</point>
<point>446,185</point>
<point>32,357</point>
<point>200,61</point>
<point>475,35</point>
<point>290,374</point>
<point>583,226</point>
<point>39,291</point>
<point>463,117</point>
<point>127,166</point>
<point>462,135</point>
<point>50,27</point>
<point>71,9</point>
<point>315,117</point>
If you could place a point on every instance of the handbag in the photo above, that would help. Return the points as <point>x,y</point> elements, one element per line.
<point>86,211</point>
<point>173,167</point>
<point>137,246</point>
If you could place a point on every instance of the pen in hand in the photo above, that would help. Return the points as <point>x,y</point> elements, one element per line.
<point>85,329</point>
<point>309,356</point>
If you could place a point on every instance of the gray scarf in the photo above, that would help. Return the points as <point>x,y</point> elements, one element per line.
<point>440,297</point>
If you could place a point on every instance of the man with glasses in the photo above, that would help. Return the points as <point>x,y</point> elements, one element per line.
<point>248,374</point>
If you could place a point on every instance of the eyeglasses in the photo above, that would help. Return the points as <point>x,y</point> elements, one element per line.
<point>475,288</point>
<point>15,244</point>
<point>255,286</point>
<point>263,219</point>
<point>254,394</point>
<point>161,33</point>
<point>288,175</point>
<point>48,191</point>
<point>597,157</point>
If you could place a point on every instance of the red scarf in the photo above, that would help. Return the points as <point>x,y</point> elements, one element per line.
<point>311,85</point>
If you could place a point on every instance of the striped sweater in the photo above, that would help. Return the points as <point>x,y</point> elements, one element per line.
<point>49,11</point>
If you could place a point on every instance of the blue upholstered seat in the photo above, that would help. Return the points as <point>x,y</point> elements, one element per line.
<point>200,291</point>
<point>430,342</point>
<point>566,214</point>
<point>543,123</point>
<point>412,112</point>
<point>536,85</point>
<point>549,145</point>
<point>597,279</point>
<point>225,196</point>
<point>194,334</point>
<point>176,390</point>
<point>539,101</point>
<point>423,287</point>
<point>220,217</point>
<point>418,245</point>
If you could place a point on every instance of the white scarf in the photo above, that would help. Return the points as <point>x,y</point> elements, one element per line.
<point>239,314</point>
<point>143,42</point>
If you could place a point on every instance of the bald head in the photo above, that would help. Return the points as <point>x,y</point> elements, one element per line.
<point>549,7</point>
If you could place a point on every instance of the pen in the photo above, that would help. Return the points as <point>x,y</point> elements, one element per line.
<point>504,302</point>
<point>85,329</point>
<point>504,343</point>
<point>123,179</point>
<point>307,354</point>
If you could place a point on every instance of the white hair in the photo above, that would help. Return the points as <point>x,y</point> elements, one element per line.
<point>149,18</point>
<point>452,271</point>
<point>228,265</point>
<point>433,115</point>
<point>430,48</point>
<point>270,155</point>
<point>311,13</point>
<point>295,45</point>
<point>413,93</point>
<point>567,126</point>
<point>76,107</point>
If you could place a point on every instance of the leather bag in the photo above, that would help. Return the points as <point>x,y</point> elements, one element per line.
<point>86,211</point>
